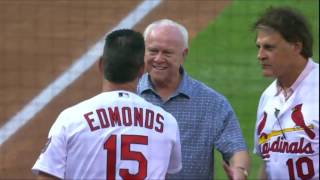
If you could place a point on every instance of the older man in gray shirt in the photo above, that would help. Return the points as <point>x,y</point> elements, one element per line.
<point>205,117</point>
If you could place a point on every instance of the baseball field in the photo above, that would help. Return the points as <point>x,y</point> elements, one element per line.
<point>49,48</point>
<point>224,56</point>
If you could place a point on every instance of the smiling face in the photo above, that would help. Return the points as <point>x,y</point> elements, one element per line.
<point>277,56</point>
<point>165,53</point>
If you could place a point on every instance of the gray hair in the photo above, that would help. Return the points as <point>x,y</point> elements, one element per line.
<point>168,22</point>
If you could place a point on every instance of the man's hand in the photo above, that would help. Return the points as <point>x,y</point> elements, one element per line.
<point>235,173</point>
<point>238,166</point>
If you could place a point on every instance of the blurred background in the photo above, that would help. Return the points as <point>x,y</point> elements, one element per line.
<point>49,48</point>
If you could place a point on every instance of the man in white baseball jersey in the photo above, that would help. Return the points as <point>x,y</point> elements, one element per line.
<point>116,134</point>
<point>287,128</point>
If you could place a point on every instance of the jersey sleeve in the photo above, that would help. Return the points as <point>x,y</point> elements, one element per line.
<point>227,132</point>
<point>258,117</point>
<point>260,111</point>
<point>52,159</point>
<point>175,164</point>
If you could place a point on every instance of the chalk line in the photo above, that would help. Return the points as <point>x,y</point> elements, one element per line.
<point>81,65</point>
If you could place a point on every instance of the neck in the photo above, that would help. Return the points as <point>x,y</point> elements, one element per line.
<point>129,86</point>
<point>293,73</point>
<point>166,89</point>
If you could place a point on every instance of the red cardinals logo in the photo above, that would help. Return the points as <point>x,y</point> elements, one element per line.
<point>297,118</point>
<point>262,123</point>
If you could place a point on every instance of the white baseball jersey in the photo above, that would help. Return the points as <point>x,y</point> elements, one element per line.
<point>114,135</point>
<point>287,131</point>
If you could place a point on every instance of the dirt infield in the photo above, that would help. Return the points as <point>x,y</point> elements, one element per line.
<point>41,38</point>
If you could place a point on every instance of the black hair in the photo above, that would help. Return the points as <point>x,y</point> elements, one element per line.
<point>291,24</point>
<point>123,55</point>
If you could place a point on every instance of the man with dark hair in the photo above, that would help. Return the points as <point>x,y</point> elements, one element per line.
<point>122,62</point>
<point>287,128</point>
<point>115,134</point>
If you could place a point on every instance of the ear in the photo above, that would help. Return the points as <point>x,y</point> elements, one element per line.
<point>141,72</point>
<point>101,66</point>
<point>297,47</point>
<point>185,53</point>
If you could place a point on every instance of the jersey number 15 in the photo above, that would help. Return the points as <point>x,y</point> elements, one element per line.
<point>126,154</point>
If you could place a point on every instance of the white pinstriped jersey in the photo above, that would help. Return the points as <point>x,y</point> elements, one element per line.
<point>287,132</point>
<point>114,135</point>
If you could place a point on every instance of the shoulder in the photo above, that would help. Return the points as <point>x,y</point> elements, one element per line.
<point>156,109</point>
<point>270,90</point>
<point>267,94</point>
<point>315,71</point>
<point>208,101</point>
<point>311,71</point>
<point>152,106</point>
<point>202,90</point>
<point>76,110</point>
<point>143,83</point>
<point>87,102</point>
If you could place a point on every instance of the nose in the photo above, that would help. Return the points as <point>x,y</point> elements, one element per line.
<point>261,54</point>
<point>158,57</point>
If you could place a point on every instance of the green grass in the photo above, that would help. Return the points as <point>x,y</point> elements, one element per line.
<point>224,57</point>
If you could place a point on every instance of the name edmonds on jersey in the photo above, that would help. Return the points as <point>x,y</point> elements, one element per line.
<point>124,116</point>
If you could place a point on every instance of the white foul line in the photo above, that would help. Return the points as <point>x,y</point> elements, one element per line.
<point>80,66</point>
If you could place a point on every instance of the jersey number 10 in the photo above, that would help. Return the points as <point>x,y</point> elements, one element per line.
<point>304,161</point>
<point>126,154</point>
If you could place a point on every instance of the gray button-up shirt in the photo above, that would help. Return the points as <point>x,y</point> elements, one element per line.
<point>206,121</point>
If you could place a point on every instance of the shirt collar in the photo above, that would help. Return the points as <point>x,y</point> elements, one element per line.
<point>145,84</point>
<point>309,67</point>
